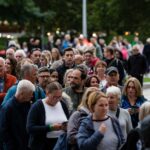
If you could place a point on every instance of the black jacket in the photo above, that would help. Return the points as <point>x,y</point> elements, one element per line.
<point>36,125</point>
<point>13,118</point>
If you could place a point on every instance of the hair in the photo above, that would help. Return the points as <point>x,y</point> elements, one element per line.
<point>67,50</point>
<point>25,85</point>
<point>88,80</point>
<point>82,70</point>
<point>98,64</point>
<point>35,49</point>
<point>21,51</point>
<point>48,54</point>
<point>136,84</point>
<point>114,90</point>
<point>45,56</point>
<point>144,110</point>
<point>13,64</point>
<point>27,69</point>
<point>58,54</point>
<point>66,74</point>
<point>52,70</point>
<point>53,86</point>
<point>84,101</point>
<point>2,59</point>
<point>43,69</point>
<point>93,98</point>
<point>110,49</point>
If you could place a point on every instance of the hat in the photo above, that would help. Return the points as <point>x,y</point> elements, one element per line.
<point>111,69</point>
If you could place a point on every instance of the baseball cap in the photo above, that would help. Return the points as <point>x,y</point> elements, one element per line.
<point>111,69</point>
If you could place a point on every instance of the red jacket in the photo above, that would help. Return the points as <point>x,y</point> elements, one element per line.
<point>9,80</point>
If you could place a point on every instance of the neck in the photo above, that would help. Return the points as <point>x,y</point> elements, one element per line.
<point>132,99</point>
<point>95,117</point>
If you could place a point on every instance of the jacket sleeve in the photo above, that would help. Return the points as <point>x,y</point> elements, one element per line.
<point>87,141</point>
<point>34,120</point>
<point>5,129</point>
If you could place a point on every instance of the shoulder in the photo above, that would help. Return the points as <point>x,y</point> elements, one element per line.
<point>10,77</point>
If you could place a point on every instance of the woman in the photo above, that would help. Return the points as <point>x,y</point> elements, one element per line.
<point>44,60</point>
<point>92,81</point>
<point>46,119</point>
<point>67,77</point>
<point>55,54</point>
<point>75,118</point>
<point>99,131</point>
<point>10,66</point>
<point>100,69</point>
<point>53,75</point>
<point>114,95</point>
<point>132,99</point>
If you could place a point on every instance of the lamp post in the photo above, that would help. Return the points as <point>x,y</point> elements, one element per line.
<point>84,18</point>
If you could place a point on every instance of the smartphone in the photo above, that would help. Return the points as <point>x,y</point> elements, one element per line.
<point>134,109</point>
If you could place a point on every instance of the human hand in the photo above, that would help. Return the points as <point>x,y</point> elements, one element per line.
<point>56,126</point>
<point>102,128</point>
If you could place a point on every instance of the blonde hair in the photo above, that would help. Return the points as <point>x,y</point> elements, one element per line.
<point>136,84</point>
<point>144,110</point>
<point>84,102</point>
<point>93,98</point>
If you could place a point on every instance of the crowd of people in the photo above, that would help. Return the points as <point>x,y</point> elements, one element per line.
<point>74,95</point>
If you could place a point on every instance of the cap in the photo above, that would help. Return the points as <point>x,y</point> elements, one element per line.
<point>111,69</point>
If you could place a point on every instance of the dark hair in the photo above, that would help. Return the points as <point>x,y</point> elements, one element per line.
<point>35,49</point>
<point>110,49</point>
<point>88,80</point>
<point>83,72</point>
<point>43,69</point>
<point>53,86</point>
<point>52,70</point>
<point>67,50</point>
<point>13,64</point>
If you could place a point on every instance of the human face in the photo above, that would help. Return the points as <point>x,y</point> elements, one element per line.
<point>43,61</point>
<point>10,53</point>
<point>88,57</point>
<point>18,57</point>
<point>54,76</point>
<point>107,54</point>
<point>54,54</point>
<point>131,91</point>
<point>69,57</point>
<point>76,80</point>
<point>26,96</point>
<point>101,69</point>
<point>54,97</point>
<point>43,78</point>
<point>94,82</point>
<point>8,66</point>
<point>113,101</point>
<point>113,78</point>
<point>2,68</point>
<point>100,108</point>
<point>69,77</point>
<point>32,76</point>
<point>36,57</point>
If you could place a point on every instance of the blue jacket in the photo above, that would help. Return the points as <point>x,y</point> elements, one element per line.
<point>38,94</point>
<point>88,138</point>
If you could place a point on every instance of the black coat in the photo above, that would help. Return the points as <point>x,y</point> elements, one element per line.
<point>13,116</point>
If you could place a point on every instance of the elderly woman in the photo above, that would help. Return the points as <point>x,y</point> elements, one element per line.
<point>46,119</point>
<point>114,95</point>
<point>99,131</point>
<point>75,118</point>
<point>132,99</point>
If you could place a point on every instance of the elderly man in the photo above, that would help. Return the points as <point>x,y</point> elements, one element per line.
<point>19,55</point>
<point>13,118</point>
<point>10,52</point>
<point>6,80</point>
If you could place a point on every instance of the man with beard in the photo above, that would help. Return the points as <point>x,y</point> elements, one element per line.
<point>43,77</point>
<point>76,88</point>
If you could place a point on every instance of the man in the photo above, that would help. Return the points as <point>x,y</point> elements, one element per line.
<point>110,59</point>
<point>35,56</point>
<point>28,72</point>
<point>10,53</point>
<point>6,80</point>
<point>76,88</point>
<point>19,55</point>
<point>137,64</point>
<point>13,118</point>
<point>68,63</point>
<point>43,77</point>
<point>112,78</point>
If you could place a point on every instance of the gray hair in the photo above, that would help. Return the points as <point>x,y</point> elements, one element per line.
<point>27,69</point>
<point>26,86</point>
<point>114,90</point>
<point>21,51</point>
<point>2,59</point>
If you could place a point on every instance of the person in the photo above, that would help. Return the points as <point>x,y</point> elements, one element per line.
<point>20,54</point>
<point>13,118</point>
<point>6,80</point>
<point>10,66</point>
<point>10,53</point>
<point>76,88</point>
<point>55,54</point>
<point>100,71</point>
<point>68,63</point>
<point>114,96</point>
<point>43,126</point>
<point>28,72</point>
<point>92,81</point>
<point>44,60</point>
<point>67,77</point>
<point>132,99</point>
<point>133,63</point>
<point>43,77</point>
<point>75,119</point>
<point>110,59</point>
<point>78,59</point>
<point>98,130</point>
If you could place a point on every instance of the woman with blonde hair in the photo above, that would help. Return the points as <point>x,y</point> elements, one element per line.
<point>132,99</point>
<point>98,130</point>
<point>75,118</point>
